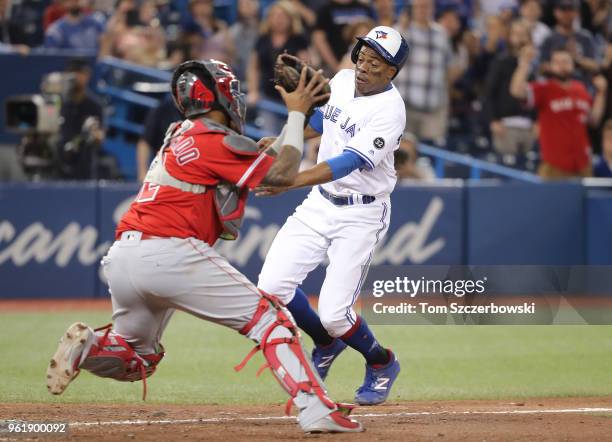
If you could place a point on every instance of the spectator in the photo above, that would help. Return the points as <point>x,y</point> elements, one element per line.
<point>451,22</point>
<point>244,33</point>
<point>331,21</point>
<point>603,168</point>
<point>304,10</point>
<point>564,108</point>
<point>595,16</point>
<point>53,13</point>
<point>408,165</point>
<point>548,12</point>
<point>461,95</point>
<point>7,31</point>
<point>217,41</point>
<point>511,123</point>
<point>579,42</point>
<point>492,43</point>
<point>156,124</point>
<point>530,12</point>
<point>116,26</point>
<point>24,20</point>
<point>76,30</point>
<point>281,31</point>
<point>351,32</point>
<point>79,111</point>
<point>423,82</point>
<point>133,34</point>
<point>497,7</point>
<point>385,13</point>
<point>466,9</point>
<point>607,71</point>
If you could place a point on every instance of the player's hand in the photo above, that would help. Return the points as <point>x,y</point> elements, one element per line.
<point>305,95</point>
<point>267,190</point>
<point>600,83</point>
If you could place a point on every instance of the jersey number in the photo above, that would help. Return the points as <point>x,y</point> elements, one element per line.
<point>184,151</point>
<point>148,192</point>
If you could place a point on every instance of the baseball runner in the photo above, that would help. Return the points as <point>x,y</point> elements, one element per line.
<point>195,192</point>
<point>347,212</point>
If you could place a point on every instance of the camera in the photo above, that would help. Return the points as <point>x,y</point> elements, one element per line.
<point>40,113</point>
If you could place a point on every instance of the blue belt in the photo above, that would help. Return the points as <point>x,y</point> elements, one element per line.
<point>338,200</point>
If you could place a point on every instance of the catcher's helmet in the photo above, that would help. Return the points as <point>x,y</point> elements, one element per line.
<point>389,44</point>
<point>201,86</point>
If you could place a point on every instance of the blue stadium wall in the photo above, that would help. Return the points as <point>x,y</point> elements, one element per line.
<point>52,236</point>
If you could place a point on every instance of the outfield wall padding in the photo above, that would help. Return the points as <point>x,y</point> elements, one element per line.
<point>53,235</point>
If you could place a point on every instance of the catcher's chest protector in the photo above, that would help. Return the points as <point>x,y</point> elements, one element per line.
<point>230,199</point>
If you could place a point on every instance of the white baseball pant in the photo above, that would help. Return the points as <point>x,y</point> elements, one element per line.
<point>348,235</point>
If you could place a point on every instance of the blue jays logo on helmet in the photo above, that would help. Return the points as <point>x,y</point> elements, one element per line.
<point>381,35</point>
<point>387,42</point>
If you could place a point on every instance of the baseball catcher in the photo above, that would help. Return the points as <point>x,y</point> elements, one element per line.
<point>162,259</point>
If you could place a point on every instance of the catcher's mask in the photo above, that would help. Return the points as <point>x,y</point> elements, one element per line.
<point>201,86</point>
<point>387,42</point>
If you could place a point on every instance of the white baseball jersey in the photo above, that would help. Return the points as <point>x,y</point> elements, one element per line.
<point>371,126</point>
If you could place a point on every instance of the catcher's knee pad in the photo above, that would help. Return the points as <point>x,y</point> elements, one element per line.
<point>278,338</point>
<point>111,356</point>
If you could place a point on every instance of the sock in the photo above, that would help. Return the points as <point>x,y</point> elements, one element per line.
<point>361,338</point>
<point>307,319</point>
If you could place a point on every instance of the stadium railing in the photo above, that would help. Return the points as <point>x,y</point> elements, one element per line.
<point>129,89</point>
<point>476,166</point>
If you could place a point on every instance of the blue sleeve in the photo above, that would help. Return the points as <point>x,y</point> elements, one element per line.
<point>316,121</point>
<point>343,164</point>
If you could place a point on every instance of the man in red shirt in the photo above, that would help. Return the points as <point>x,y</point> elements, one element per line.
<point>162,260</point>
<point>565,108</point>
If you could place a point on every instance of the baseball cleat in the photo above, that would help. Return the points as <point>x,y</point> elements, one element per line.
<point>335,422</point>
<point>377,382</point>
<point>63,367</point>
<point>323,356</point>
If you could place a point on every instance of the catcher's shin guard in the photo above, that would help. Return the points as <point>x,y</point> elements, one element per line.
<point>278,338</point>
<point>104,354</point>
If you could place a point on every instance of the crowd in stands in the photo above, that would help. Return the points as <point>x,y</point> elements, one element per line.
<point>456,83</point>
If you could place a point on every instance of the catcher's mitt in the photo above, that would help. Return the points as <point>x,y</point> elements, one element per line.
<point>287,70</point>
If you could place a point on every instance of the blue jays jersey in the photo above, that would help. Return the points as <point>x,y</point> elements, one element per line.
<point>370,126</point>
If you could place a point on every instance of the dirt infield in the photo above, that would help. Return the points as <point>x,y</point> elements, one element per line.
<point>535,419</point>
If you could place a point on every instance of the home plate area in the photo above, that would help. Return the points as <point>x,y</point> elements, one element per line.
<point>532,419</point>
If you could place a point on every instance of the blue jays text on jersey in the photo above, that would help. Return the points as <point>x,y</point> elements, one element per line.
<point>333,114</point>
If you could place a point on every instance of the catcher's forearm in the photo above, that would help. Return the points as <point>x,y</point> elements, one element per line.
<point>284,170</point>
<point>286,166</point>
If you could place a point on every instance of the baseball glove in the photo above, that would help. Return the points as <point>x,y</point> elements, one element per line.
<point>287,70</point>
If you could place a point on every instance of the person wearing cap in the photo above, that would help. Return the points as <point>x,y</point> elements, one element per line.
<point>579,42</point>
<point>424,83</point>
<point>347,212</point>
